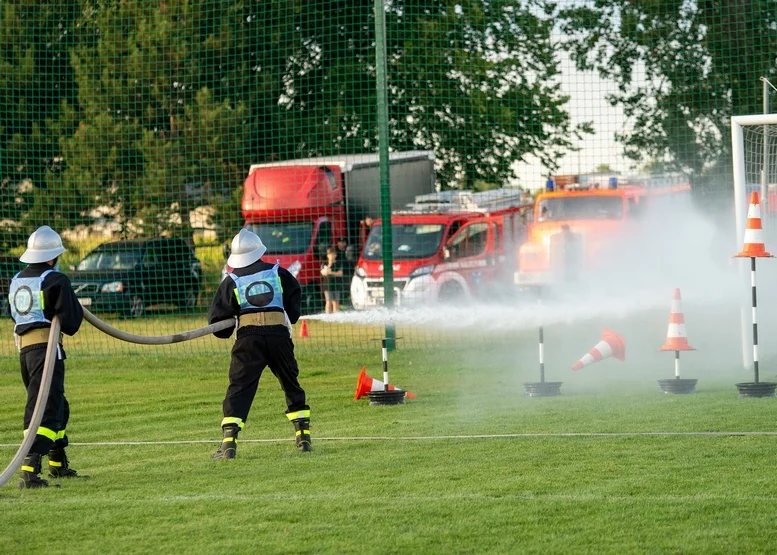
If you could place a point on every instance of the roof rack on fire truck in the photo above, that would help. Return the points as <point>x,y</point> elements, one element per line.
<point>468,201</point>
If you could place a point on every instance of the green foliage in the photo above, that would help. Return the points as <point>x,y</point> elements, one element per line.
<point>682,69</point>
<point>153,109</point>
<point>35,84</point>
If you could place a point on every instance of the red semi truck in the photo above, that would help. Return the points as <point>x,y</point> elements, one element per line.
<point>300,208</point>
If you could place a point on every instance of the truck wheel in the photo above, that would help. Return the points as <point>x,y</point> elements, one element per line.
<point>136,307</point>
<point>312,300</point>
<point>450,292</point>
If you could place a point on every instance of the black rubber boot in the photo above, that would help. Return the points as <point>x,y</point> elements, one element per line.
<point>30,473</point>
<point>59,466</point>
<point>228,447</point>
<point>302,432</point>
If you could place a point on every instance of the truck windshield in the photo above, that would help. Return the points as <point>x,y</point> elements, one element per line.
<point>109,259</point>
<point>580,208</point>
<point>284,238</point>
<point>409,241</point>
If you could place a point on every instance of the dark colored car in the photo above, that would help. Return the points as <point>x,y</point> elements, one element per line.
<point>9,267</point>
<point>128,276</point>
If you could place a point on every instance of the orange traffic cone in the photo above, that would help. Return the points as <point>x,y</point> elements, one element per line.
<point>611,344</point>
<point>303,329</point>
<point>365,384</point>
<point>754,233</point>
<point>676,339</point>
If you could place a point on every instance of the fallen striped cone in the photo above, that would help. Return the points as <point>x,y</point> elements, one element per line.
<point>611,345</point>
<point>754,234</point>
<point>365,384</point>
<point>676,338</point>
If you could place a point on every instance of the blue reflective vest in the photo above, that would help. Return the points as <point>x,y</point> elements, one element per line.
<point>26,300</point>
<point>260,290</point>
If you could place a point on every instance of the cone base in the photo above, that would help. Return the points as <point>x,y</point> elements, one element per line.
<point>542,389</point>
<point>754,254</point>
<point>760,389</point>
<point>670,347</point>
<point>395,397</point>
<point>677,386</point>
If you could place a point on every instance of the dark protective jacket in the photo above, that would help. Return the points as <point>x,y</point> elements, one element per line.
<point>59,300</point>
<point>225,304</point>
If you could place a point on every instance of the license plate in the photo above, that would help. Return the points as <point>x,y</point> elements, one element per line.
<point>85,301</point>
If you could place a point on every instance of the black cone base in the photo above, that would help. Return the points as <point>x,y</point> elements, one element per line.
<point>394,397</point>
<point>542,389</point>
<point>678,385</point>
<point>760,389</point>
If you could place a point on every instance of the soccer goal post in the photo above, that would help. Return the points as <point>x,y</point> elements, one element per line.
<point>754,157</point>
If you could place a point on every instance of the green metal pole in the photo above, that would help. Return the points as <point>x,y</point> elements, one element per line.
<point>385,182</point>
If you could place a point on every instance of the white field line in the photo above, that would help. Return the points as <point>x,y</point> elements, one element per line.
<point>428,438</point>
<point>351,497</point>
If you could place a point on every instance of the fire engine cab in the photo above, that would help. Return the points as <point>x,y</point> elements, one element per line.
<point>446,246</point>
<point>578,217</point>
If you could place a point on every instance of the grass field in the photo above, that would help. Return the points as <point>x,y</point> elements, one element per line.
<point>448,472</point>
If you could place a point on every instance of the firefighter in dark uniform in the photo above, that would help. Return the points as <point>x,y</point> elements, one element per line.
<point>265,300</point>
<point>36,295</point>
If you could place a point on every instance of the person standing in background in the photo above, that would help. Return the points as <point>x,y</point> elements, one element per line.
<point>332,272</point>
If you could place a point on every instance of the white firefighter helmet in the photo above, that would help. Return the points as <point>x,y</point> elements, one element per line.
<point>247,248</point>
<point>43,245</point>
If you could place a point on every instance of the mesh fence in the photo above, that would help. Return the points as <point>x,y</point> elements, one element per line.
<point>148,133</point>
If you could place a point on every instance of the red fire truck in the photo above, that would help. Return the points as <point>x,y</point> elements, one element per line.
<point>446,246</point>
<point>579,219</point>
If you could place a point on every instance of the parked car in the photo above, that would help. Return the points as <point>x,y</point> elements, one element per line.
<point>9,267</point>
<point>128,276</point>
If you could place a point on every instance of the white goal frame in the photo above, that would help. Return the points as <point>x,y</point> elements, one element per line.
<point>740,208</point>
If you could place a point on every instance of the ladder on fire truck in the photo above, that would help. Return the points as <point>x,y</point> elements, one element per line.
<point>469,201</point>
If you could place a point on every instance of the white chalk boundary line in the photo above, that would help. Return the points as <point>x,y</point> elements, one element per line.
<point>394,497</point>
<point>428,438</point>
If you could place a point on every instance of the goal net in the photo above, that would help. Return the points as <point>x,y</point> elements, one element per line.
<point>754,152</point>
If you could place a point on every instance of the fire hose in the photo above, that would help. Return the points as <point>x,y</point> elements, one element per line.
<point>51,357</point>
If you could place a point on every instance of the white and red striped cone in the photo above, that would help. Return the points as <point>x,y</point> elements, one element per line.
<point>611,345</point>
<point>365,384</point>
<point>676,337</point>
<point>754,234</point>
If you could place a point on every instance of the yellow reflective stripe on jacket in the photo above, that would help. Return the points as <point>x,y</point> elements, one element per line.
<point>232,420</point>
<point>42,301</point>
<point>298,414</point>
<point>61,435</point>
<point>237,295</point>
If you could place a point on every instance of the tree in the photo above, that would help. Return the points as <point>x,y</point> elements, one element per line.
<point>154,142</point>
<point>36,83</point>
<point>701,62</point>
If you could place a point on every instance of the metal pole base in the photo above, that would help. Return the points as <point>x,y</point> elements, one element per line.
<point>677,386</point>
<point>394,397</point>
<point>760,389</point>
<point>542,389</point>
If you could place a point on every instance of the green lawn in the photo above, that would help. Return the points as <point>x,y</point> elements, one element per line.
<point>529,494</point>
